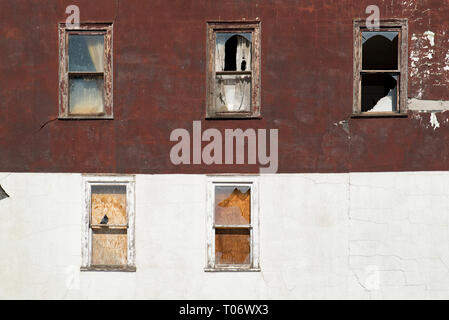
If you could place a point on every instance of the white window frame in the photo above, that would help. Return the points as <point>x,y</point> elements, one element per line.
<point>237,181</point>
<point>95,180</point>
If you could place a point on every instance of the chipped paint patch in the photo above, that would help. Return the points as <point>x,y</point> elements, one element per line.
<point>344,124</point>
<point>427,105</point>
<point>446,60</point>
<point>430,36</point>
<point>434,121</point>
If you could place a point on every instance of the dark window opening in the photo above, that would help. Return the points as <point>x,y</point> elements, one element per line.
<point>379,92</point>
<point>380,51</point>
<point>231,54</point>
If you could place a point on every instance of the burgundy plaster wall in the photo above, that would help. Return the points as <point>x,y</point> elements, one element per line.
<point>159,85</point>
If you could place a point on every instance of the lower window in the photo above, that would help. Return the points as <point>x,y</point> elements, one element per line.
<point>233,226</point>
<point>108,241</point>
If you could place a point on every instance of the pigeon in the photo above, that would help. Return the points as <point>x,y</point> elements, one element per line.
<point>105,220</point>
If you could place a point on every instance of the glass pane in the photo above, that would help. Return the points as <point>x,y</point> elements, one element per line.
<point>109,205</point>
<point>232,246</point>
<point>86,96</point>
<point>380,50</point>
<point>233,52</point>
<point>109,247</point>
<point>232,93</point>
<point>86,53</point>
<point>379,92</point>
<point>232,205</point>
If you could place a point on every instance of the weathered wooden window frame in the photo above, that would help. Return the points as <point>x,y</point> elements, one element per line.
<point>252,182</point>
<point>254,27</point>
<point>129,183</point>
<point>400,26</point>
<point>86,29</point>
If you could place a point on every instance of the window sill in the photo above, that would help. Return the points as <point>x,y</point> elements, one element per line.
<point>380,115</point>
<point>234,116</point>
<point>86,118</point>
<point>232,269</point>
<point>109,269</point>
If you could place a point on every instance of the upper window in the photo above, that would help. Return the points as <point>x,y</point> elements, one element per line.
<point>85,71</point>
<point>380,68</point>
<point>233,87</point>
<point>233,226</point>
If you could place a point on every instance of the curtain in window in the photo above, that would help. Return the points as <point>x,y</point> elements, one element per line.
<point>233,93</point>
<point>95,45</point>
<point>243,54</point>
<point>220,54</point>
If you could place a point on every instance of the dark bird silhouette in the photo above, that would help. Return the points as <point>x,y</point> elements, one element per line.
<point>105,220</point>
<point>243,66</point>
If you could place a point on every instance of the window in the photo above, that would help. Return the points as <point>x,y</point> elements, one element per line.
<point>85,72</point>
<point>380,68</point>
<point>108,233</point>
<point>233,67</point>
<point>233,225</point>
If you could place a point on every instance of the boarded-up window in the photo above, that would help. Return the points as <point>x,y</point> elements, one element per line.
<point>85,71</point>
<point>234,70</point>
<point>110,224</point>
<point>380,68</point>
<point>234,226</point>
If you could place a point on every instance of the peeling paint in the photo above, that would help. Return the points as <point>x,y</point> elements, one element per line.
<point>344,124</point>
<point>430,36</point>
<point>434,121</point>
<point>428,105</point>
<point>446,60</point>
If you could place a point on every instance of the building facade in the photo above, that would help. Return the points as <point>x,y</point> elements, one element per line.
<point>122,174</point>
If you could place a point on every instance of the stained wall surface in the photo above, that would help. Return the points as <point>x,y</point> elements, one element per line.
<point>159,51</point>
<point>336,236</point>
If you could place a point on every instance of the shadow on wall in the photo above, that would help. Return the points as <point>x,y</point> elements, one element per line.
<point>3,194</point>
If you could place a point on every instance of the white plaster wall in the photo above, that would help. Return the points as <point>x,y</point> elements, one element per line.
<point>373,235</point>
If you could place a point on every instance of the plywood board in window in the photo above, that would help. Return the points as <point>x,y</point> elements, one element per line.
<point>109,247</point>
<point>109,201</point>
<point>232,246</point>
<point>232,206</point>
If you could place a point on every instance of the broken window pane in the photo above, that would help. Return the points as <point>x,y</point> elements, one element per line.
<point>233,52</point>
<point>232,246</point>
<point>109,205</point>
<point>86,96</point>
<point>233,93</point>
<point>379,92</point>
<point>380,50</point>
<point>86,53</point>
<point>232,205</point>
<point>109,247</point>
